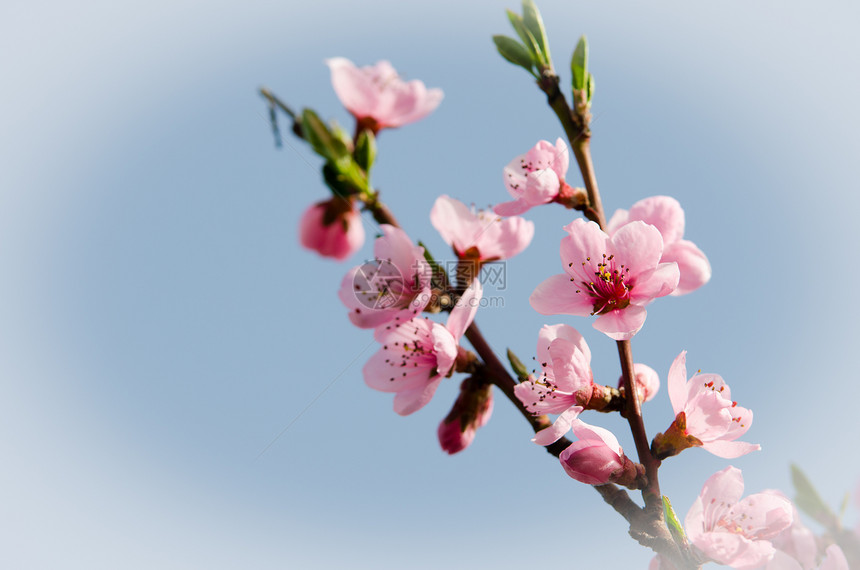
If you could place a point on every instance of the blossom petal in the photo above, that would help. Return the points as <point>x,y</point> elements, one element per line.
<point>639,245</point>
<point>677,382</point>
<point>513,208</point>
<point>584,240</point>
<point>694,267</point>
<point>454,222</point>
<point>410,401</point>
<point>662,212</point>
<point>557,296</point>
<point>730,449</point>
<point>560,427</point>
<point>622,324</point>
<point>464,311</point>
<point>658,282</point>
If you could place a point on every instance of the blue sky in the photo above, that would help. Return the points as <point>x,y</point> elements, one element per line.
<point>161,326</point>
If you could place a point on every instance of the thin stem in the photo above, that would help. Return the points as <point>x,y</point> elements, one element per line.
<point>651,493</point>
<point>273,99</point>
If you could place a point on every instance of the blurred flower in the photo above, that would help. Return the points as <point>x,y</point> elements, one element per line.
<point>666,214</point>
<point>481,236</point>
<point>535,178</point>
<point>377,97</point>
<point>332,228</point>
<point>734,531</point>
<point>471,410</point>
<point>417,354</point>
<point>647,381</point>
<point>393,287</point>
<point>613,278</point>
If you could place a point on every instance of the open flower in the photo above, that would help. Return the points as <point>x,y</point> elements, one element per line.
<point>417,354</point>
<point>377,97</point>
<point>565,362</point>
<point>666,214</point>
<point>535,178</point>
<point>332,228</point>
<point>613,278</point>
<point>733,531</point>
<point>705,416</point>
<point>471,410</point>
<point>393,287</point>
<point>481,236</point>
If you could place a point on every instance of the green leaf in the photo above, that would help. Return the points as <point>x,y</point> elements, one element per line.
<point>589,91</point>
<point>321,138</point>
<point>365,150</point>
<point>534,24</point>
<point>672,522</point>
<point>808,500</point>
<point>579,65</point>
<point>528,39</point>
<point>514,52</point>
<point>518,366</point>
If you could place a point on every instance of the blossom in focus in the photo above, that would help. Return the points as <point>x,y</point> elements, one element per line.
<point>377,97</point>
<point>611,277</point>
<point>666,214</point>
<point>393,287</point>
<point>647,381</point>
<point>535,178</point>
<point>332,228</point>
<point>471,410</point>
<point>418,353</point>
<point>733,531</point>
<point>481,236</point>
<point>596,458</point>
<point>706,416</point>
<point>565,362</point>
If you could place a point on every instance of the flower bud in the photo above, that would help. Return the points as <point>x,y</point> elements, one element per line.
<point>332,228</point>
<point>471,410</point>
<point>647,381</point>
<point>597,458</point>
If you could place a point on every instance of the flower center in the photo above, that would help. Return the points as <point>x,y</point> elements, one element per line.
<point>608,287</point>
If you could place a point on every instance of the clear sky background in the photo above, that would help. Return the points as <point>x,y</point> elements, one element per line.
<point>160,325</point>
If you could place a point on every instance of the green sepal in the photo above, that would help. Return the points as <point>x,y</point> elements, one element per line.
<point>514,52</point>
<point>365,150</point>
<point>325,143</point>
<point>518,366</point>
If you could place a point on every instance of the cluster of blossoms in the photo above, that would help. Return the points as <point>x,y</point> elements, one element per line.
<point>611,273</point>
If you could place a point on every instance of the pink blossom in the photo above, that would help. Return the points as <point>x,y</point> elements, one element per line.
<point>666,214</point>
<point>481,236</point>
<point>332,228</point>
<point>471,410</point>
<point>417,354</point>
<point>834,559</point>
<point>596,458</point>
<point>565,362</point>
<point>535,178</point>
<point>377,97</point>
<point>733,531</point>
<point>647,381</point>
<point>710,415</point>
<point>393,287</point>
<point>613,278</point>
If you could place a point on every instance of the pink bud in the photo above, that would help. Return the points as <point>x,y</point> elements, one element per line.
<point>332,228</point>
<point>647,382</point>
<point>597,458</point>
<point>471,410</point>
